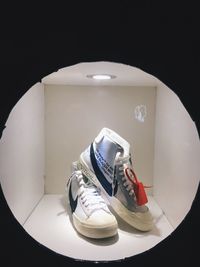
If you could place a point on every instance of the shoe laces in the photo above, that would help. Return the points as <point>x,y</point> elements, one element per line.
<point>90,195</point>
<point>130,181</point>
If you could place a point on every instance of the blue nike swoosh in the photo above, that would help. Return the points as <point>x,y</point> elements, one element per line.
<point>73,203</point>
<point>102,179</point>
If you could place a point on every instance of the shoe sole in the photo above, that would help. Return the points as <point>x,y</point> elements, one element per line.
<point>94,231</point>
<point>132,218</point>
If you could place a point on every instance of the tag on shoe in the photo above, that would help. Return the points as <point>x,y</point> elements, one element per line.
<point>140,194</point>
<point>139,190</point>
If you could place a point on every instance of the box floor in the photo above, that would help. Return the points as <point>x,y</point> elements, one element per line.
<point>50,224</point>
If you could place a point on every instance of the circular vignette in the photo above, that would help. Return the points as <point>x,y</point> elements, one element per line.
<point>178,231</point>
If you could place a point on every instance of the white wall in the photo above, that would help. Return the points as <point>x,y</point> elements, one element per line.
<point>76,114</point>
<point>177,154</point>
<point>22,154</point>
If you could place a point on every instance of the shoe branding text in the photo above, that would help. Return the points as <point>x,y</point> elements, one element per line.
<point>103,164</point>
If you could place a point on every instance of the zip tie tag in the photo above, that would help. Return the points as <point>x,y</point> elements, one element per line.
<point>140,194</point>
<point>139,190</point>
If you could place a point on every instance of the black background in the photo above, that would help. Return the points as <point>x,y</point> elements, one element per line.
<point>161,39</point>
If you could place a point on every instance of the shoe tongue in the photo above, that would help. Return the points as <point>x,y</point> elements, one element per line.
<point>125,159</point>
<point>123,145</point>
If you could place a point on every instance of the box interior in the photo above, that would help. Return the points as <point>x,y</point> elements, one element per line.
<point>52,124</point>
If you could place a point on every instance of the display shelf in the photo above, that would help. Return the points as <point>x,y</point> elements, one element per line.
<point>50,224</point>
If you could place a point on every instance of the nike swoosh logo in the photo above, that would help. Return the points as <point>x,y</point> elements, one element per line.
<point>102,179</point>
<point>73,203</point>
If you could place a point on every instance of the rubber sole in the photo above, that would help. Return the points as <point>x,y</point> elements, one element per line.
<point>141,221</point>
<point>138,220</point>
<point>94,231</point>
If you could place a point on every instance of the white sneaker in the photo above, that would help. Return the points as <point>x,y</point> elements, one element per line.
<point>107,163</point>
<point>90,214</point>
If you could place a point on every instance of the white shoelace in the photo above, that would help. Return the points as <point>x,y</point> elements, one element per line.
<point>123,163</point>
<point>90,195</point>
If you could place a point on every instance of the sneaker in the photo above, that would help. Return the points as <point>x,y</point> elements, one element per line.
<point>107,163</point>
<point>90,214</point>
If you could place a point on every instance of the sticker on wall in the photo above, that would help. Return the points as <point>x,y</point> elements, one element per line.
<point>140,113</point>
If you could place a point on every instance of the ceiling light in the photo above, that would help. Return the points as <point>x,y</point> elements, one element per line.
<point>101,76</point>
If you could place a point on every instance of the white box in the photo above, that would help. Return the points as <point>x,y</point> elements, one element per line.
<point>58,118</point>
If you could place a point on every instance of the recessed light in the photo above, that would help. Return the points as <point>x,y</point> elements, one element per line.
<point>101,76</point>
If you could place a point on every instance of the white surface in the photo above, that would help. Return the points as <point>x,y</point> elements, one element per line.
<point>22,154</point>
<point>177,154</point>
<point>76,75</point>
<point>76,114</point>
<point>50,225</point>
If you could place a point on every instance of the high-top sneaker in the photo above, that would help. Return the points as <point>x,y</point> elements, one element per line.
<point>107,163</point>
<point>90,214</point>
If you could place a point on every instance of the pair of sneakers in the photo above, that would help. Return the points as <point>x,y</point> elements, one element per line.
<point>104,174</point>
